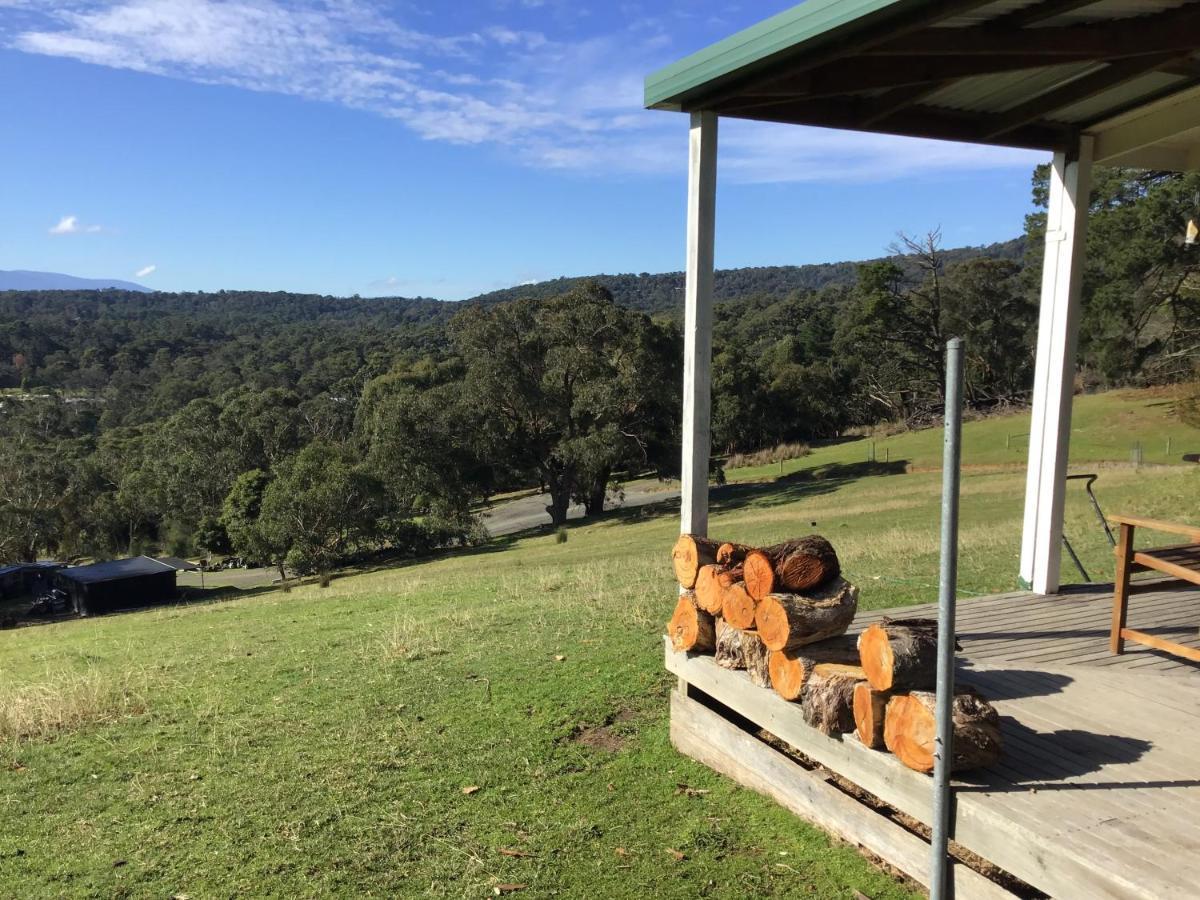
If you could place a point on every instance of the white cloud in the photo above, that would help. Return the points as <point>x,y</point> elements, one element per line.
<point>550,103</point>
<point>72,225</point>
<point>144,271</point>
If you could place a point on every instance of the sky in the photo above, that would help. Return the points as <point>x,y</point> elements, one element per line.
<point>438,149</point>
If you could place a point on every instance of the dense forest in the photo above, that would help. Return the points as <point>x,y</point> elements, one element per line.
<point>661,293</point>
<point>301,430</point>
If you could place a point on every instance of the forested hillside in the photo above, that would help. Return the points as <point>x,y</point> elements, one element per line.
<point>300,430</point>
<point>662,293</point>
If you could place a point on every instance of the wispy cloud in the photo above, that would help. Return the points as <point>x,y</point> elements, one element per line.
<point>550,101</point>
<point>72,225</point>
<point>144,271</point>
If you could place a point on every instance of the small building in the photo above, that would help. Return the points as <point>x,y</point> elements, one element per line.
<point>118,584</point>
<point>27,579</point>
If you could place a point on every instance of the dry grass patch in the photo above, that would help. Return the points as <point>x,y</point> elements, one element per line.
<point>66,703</point>
<point>778,453</point>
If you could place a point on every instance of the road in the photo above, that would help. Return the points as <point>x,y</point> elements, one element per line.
<point>511,516</point>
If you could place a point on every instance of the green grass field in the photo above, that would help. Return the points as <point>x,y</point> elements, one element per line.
<point>490,718</point>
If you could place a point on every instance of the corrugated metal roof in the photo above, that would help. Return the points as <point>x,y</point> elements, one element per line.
<point>1099,11</point>
<point>179,565</point>
<point>1040,72</point>
<point>116,569</point>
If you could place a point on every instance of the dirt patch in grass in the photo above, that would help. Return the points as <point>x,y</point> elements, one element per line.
<point>605,736</point>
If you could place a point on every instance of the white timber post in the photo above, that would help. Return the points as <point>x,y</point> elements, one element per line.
<point>697,322</point>
<point>1054,377</point>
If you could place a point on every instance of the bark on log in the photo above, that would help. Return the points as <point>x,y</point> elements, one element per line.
<point>691,628</point>
<point>789,669</point>
<point>756,658</point>
<point>900,654</point>
<point>711,584</point>
<point>737,606</point>
<point>869,708</point>
<point>732,554</point>
<point>691,552</point>
<point>828,701</point>
<point>729,646</point>
<point>788,621</point>
<point>910,727</point>
<point>791,567</point>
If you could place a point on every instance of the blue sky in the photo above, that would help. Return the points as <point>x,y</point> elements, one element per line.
<point>438,149</point>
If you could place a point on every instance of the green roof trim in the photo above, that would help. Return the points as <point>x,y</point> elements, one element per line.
<point>815,23</point>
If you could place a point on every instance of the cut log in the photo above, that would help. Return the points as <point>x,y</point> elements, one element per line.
<point>900,654</point>
<point>711,584</point>
<point>910,727</point>
<point>691,552</point>
<point>869,708</point>
<point>788,621</point>
<point>828,701</point>
<point>756,658</point>
<point>789,669</point>
<point>729,646</point>
<point>737,606</point>
<point>732,554</point>
<point>794,566</point>
<point>691,628</point>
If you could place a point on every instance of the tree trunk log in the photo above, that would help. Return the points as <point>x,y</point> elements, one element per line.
<point>788,621</point>
<point>732,554</point>
<point>691,552</point>
<point>791,567</point>
<point>828,700</point>
<point>900,654</point>
<point>691,628</point>
<point>756,658</point>
<point>737,606</point>
<point>910,727</point>
<point>789,669</point>
<point>711,584</point>
<point>869,708</point>
<point>729,646</point>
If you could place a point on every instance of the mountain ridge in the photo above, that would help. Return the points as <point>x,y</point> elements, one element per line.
<point>30,280</point>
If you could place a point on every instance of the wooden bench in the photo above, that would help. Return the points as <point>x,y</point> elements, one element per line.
<point>1182,561</point>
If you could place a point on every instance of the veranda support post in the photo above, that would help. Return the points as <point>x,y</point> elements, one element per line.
<point>1054,378</point>
<point>697,327</point>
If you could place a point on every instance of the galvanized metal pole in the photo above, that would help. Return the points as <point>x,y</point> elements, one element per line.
<point>941,885</point>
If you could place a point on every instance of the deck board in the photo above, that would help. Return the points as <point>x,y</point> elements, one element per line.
<point>1098,790</point>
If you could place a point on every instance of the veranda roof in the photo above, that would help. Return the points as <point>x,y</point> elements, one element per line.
<point>1020,73</point>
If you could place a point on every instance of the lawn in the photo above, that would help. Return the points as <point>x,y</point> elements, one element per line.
<point>485,719</point>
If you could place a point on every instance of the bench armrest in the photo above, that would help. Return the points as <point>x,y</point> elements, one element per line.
<point>1192,532</point>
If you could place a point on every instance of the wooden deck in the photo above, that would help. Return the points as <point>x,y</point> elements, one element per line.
<point>1098,794</point>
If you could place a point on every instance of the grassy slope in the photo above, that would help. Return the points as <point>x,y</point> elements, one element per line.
<point>318,742</point>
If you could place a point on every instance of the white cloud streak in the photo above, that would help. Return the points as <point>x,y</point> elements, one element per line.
<point>144,271</point>
<point>550,103</point>
<point>72,225</point>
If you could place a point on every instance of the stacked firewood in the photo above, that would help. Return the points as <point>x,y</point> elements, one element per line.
<point>781,614</point>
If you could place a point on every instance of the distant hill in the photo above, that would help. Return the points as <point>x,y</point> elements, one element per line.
<point>24,280</point>
<point>664,292</point>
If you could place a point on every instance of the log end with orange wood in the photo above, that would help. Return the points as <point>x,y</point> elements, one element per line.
<point>869,708</point>
<point>691,629</point>
<point>737,606</point>
<point>789,669</point>
<point>789,621</point>
<point>711,584</point>
<point>900,654</point>
<point>691,552</point>
<point>794,566</point>
<point>910,730</point>
<point>732,554</point>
